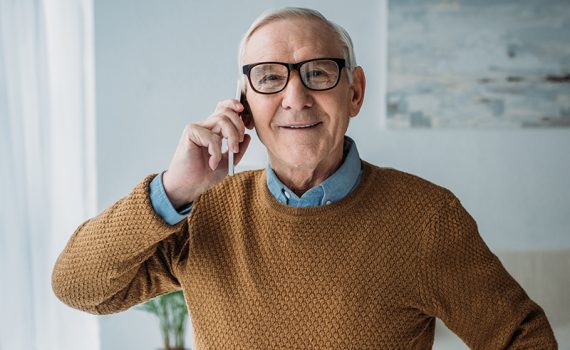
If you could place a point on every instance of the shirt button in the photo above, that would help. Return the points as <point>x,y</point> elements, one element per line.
<point>287,194</point>
<point>328,202</point>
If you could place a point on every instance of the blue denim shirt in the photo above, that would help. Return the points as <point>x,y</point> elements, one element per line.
<point>333,189</point>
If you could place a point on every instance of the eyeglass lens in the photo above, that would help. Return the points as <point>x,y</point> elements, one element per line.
<point>316,75</point>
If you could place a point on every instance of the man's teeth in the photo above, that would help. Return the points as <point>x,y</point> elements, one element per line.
<point>300,126</point>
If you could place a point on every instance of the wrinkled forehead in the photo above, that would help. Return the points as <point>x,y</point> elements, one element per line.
<point>292,40</point>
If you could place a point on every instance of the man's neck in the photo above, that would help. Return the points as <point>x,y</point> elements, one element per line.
<point>300,179</point>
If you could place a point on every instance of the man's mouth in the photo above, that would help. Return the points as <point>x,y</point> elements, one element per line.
<point>301,126</point>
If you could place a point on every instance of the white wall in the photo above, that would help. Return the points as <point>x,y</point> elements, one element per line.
<point>163,64</point>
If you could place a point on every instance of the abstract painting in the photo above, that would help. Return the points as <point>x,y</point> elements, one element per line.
<point>478,64</point>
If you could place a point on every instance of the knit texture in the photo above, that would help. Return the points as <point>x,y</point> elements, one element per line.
<point>371,271</point>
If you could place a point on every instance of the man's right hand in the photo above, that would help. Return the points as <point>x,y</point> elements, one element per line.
<point>198,163</point>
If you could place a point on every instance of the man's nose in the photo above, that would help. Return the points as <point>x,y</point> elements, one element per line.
<point>296,96</point>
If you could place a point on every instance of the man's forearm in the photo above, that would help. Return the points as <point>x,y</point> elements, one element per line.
<point>114,252</point>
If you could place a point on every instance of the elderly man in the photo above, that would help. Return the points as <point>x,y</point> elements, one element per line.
<point>320,250</point>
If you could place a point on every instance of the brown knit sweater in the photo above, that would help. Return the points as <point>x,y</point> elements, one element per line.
<point>368,272</point>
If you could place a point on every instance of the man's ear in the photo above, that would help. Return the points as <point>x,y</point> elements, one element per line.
<point>246,115</point>
<point>357,91</point>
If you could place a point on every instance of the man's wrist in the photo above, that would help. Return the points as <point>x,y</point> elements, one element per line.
<point>162,205</point>
<point>170,190</point>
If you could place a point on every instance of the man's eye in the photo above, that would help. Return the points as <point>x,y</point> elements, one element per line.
<point>270,79</point>
<point>316,74</point>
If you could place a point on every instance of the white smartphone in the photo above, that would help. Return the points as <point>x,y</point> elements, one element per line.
<point>230,152</point>
<point>245,115</point>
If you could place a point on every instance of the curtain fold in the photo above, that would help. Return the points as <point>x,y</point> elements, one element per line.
<point>47,166</point>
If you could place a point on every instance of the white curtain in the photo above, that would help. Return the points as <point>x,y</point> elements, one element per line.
<point>47,166</point>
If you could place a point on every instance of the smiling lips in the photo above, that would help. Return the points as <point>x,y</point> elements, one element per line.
<point>301,126</point>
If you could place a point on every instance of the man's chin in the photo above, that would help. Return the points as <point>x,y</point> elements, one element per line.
<point>300,162</point>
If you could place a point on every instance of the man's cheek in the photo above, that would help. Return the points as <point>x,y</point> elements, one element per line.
<point>259,136</point>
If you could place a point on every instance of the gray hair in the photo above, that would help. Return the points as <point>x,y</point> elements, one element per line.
<point>298,12</point>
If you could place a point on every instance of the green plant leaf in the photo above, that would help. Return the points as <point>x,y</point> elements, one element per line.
<point>172,313</point>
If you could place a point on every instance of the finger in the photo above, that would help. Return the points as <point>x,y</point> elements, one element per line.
<point>242,148</point>
<point>232,104</point>
<point>230,115</point>
<point>215,151</point>
<point>206,138</point>
<point>227,129</point>
<point>238,122</point>
<point>232,108</point>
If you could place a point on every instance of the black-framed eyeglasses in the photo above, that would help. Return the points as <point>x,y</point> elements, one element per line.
<point>272,77</point>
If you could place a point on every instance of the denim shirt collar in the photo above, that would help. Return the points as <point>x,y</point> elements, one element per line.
<point>333,189</point>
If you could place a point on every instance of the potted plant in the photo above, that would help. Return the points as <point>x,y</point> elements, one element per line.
<point>172,313</point>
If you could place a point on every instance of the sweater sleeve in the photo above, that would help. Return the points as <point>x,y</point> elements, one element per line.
<point>465,285</point>
<point>120,258</point>
<point>162,205</point>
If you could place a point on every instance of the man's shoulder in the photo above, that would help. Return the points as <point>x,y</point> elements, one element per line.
<point>245,178</point>
<point>401,185</point>
<point>240,184</point>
